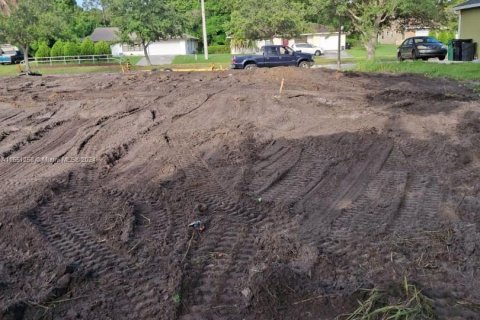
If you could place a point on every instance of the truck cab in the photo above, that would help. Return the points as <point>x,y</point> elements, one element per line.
<point>273,56</point>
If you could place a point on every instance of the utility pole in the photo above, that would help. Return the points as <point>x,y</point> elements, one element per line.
<point>204,22</point>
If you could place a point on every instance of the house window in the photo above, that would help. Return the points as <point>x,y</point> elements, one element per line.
<point>132,48</point>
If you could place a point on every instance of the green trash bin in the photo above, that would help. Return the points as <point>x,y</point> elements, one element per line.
<point>450,51</point>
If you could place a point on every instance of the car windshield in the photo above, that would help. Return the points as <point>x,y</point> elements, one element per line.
<point>426,40</point>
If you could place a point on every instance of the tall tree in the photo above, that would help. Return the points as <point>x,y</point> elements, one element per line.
<point>254,20</point>
<point>370,17</point>
<point>147,21</point>
<point>28,21</point>
<point>102,6</point>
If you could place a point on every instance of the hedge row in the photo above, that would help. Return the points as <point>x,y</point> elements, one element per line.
<point>70,48</point>
<point>219,49</point>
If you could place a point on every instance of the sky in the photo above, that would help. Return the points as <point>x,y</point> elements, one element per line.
<point>79,2</point>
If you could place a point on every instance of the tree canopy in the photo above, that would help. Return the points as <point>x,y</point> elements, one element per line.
<point>252,19</point>
<point>28,21</point>
<point>370,17</point>
<point>147,21</point>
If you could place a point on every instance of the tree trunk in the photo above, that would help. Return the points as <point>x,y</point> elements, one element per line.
<point>25,57</point>
<point>370,44</point>
<point>339,48</point>
<point>145,51</point>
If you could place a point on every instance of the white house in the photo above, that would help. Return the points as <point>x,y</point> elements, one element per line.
<point>176,46</point>
<point>322,37</point>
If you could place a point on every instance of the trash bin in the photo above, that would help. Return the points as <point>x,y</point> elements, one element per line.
<point>457,48</point>
<point>450,50</point>
<point>468,51</point>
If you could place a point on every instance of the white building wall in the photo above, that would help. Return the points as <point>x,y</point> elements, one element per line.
<point>327,41</point>
<point>167,47</point>
<point>422,32</point>
<point>116,49</point>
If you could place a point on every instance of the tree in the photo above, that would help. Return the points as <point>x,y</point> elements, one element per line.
<point>71,49</point>
<point>146,21</point>
<point>28,21</point>
<point>102,47</point>
<point>102,6</point>
<point>370,17</point>
<point>87,47</point>
<point>57,49</point>
<point>43,50</point>
<point>255,20</point>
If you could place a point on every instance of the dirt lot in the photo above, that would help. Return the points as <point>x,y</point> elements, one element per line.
<point>341,183</point>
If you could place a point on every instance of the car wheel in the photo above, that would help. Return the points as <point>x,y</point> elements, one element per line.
<point>424,58</point>
<point>304,65</point>
<point>318,53</point>
<point>399,57</point>
<point>441,58</point>
<point>251,66</point>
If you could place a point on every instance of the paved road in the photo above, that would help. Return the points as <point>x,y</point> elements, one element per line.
<point>332,54</point>
<point>156,60</point>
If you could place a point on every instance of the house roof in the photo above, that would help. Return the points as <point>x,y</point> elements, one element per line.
<point>112,35</point>
<point>315,28</point>
<point>105,34</point>
<point>468,5</point>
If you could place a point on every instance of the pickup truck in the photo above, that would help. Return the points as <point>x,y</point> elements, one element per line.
<point>11,57</point>
<point>273,56</point>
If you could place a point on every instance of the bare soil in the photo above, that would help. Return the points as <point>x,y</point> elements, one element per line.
<point>342,182</point>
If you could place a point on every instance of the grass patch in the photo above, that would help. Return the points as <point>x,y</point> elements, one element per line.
<point>177,298</point>
<point>384,52</point>
<point>12,70</point>
<point>407,304</point>
<point>457,71</point>
<point>225,58</point>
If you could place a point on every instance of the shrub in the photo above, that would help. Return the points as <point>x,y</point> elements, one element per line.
<point>219,49</point>
<point>57,49</point>
<point>43,50</point>
<point>443,36</point>
<point>102,47</point>
<point>87,47</point>
<point>71,49</point>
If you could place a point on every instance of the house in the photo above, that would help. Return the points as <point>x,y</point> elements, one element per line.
<point>469,20</point>
<point>321,36</point>
<point>176,46</point>
<point>393,34</point>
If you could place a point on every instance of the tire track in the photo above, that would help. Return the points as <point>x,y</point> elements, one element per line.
<point>221,252</point>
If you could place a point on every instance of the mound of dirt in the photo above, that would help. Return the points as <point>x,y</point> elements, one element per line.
<point>215,196</point>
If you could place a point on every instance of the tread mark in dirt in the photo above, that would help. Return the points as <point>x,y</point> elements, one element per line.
<point>81,247</point>
<point>209,96</point>
<point>326,202</point>
<point>420,206</point>
<point>32,138</point>
<point>209,272</point>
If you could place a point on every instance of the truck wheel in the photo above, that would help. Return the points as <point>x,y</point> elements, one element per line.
<point>251,66</point>
<point>399,57</point>
<point>304,65</point>
<point>318,53</point>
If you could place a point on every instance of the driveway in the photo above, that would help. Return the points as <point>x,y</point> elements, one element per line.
<point>156,60</point>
